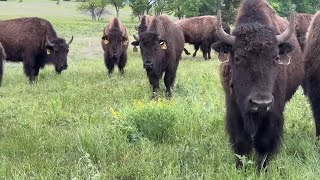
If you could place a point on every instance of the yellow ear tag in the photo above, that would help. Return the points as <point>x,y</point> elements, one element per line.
<point>48,51</point>
<point>163,45</point>
<point>106,41</point>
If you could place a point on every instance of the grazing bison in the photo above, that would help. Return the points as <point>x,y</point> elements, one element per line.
<point>2,57</point>
<point>161,47</point>
<point>34,42</point>
<point>303,22</point>
<point>201,31</point>
<point>115,44</point>
<point>312,68</point>
<point>262,71</point>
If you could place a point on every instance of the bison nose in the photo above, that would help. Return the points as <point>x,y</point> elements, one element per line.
<point>261,102</point>
<point>148,65</point>
<point>114,56</point>
<point>64,67</point>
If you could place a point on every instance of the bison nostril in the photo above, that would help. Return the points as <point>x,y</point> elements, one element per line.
<point>114,56</point>
<point>263,104</point>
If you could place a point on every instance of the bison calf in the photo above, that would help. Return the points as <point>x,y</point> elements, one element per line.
<point>115,45</point>
<point>34,42</point>
<point>161,47</point>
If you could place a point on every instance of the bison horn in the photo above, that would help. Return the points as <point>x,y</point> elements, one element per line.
<point>48,43</point>
<point>223,36</point>
<point>136,37</point>
<point>70,40</point>
<point>281,38</point>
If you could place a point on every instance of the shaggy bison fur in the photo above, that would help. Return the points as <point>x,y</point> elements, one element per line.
<point>262,70</point>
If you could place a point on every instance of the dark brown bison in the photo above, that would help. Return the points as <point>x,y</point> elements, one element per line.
<point>201,32</point>
<point>34,42</point>
<point>312,68</point>
<point>2,57</point>
<point>262,71</point>
<point>303,21</point>
<point>161,47</point>
<point>115,44</point>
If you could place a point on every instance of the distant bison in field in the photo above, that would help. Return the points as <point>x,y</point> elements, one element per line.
<point>2,57</point>
<point>312,68</point>
<point>201,32</point>
<point>115,44</point>
<point>303,22</point>
<point>34,42</point>
<point>262,71</point>
<point>161,47</point>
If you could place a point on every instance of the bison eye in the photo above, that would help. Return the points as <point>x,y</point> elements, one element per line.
<point>237,60</point>
<point>277,59</point>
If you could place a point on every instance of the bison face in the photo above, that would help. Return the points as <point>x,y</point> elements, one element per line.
<point>257,61</point>
<point>57,52</point>
<point>153,49</point>
<point>113,44</point>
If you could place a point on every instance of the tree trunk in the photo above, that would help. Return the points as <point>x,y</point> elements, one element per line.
<point>93,15</point>
<point>117,9</point>
<point>100,13</point>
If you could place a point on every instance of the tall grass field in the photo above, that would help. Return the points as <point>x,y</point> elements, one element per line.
<point>84,125</point>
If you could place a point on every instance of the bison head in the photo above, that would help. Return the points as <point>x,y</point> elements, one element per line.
<point>114,43</point>
<point>57,52</point>
<point>153,49</point>
<point>256,56</point>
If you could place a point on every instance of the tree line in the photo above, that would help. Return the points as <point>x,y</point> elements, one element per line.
<point>190,8</point>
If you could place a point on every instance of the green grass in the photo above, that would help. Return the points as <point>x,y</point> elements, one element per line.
<point>84,125</point>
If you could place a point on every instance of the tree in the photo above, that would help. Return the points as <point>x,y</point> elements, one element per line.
<point>93,6</point>
<point>140,7</point>
<point>117,4</point>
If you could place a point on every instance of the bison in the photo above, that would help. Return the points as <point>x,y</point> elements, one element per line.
<point>312,67</point>
<point>2,57</point>
<point>115,44</point>
<point>201,32</point>
<point>261,71</point>
<point>303,22</point>
<point>34,42</point>
<point>161,46</point>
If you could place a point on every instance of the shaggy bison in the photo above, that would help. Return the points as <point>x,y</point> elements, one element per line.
<point>34,42</point>
<point>303,22</point>
<point>312,67</point>
<point>115,44</point>
<point>201,32</point>
<point>2,57</point>
<point>161,47</point>
<point>262,71</point>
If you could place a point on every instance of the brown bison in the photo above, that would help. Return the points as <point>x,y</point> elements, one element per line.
<point>303,21</point>
<point>2,57</point>
<point>201,32</point>
<point>115,44</point>
<point>262,71</point>
<point>34,42</point>
<point>161,47</point>
<point>312,68</point>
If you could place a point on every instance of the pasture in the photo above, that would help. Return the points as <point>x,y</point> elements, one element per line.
<point>84,125</point>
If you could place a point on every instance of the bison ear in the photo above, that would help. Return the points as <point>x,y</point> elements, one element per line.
<point>285,48</point>
<point>135,43</point>
<point>223,49</point>
<point>104,37</point>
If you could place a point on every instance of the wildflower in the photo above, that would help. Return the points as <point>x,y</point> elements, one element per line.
<point>114,113</point>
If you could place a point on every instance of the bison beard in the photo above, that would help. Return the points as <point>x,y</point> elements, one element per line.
<point>34,42</point>
<point>258,77</point>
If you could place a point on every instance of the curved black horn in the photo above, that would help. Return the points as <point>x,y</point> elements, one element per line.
<point>283,37</point>
<point>70,40</point>
<point>223,36</point>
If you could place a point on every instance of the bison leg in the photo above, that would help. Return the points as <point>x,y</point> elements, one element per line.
<point>29,66</point>
<point>205,48</point>
<point>122,62</point>
<point>1,71</point>
<point>186,51</point>
<point>209,53</point>
<point>196,48</point>
<point>267,139</point>
<point>109,63</point>
<point>312,91</point>
<point>169,78</point>
<point>240,140</point>
<point>154,81</point>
